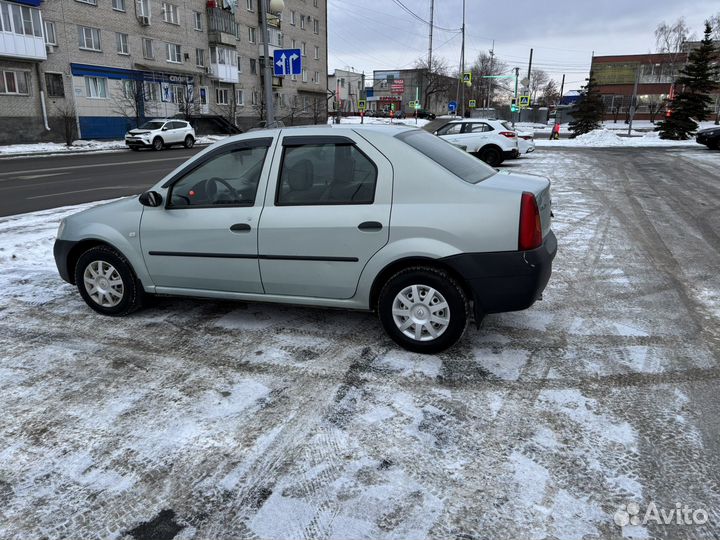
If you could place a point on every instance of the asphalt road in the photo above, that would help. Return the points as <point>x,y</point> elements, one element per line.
<point>42,182</point>
<point>197,419</point>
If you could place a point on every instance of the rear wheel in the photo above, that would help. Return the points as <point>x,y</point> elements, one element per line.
<point>158,143</point>
<point>423,309</point>
<point>490,155</point>
<point>189,141</point>
<point>107,283</point>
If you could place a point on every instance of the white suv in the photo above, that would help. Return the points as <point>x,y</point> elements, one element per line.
<point>159,134</point>
<point>493,141</point>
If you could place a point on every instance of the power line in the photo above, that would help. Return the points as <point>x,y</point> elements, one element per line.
<point>419,18</point>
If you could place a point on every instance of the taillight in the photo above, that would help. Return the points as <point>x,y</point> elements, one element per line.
<point>527,137</point>
<point>508,134</point>
<point>530,236</point>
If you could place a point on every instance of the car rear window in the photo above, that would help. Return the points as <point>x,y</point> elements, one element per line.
<point>508,125</point>
<point>458,162</point>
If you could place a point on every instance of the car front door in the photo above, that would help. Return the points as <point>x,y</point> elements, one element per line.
<point>205,236</point>
<point>327,211</point>
<point>177,133</point>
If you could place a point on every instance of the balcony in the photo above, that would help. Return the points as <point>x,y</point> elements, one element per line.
<point>222,27</point>
<point>223,64</point>
<point>21,35</point>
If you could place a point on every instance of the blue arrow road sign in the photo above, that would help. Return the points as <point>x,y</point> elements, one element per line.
<point>287,62</point>
<point>452,106</point>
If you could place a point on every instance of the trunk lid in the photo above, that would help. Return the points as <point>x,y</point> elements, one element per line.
<point>537,185</point>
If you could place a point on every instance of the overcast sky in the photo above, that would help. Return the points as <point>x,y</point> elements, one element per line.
<point>377,34</point>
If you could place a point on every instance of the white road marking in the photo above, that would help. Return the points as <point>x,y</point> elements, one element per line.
<point>73,167</point>
<point>33,176</point>
<point>76,191</point>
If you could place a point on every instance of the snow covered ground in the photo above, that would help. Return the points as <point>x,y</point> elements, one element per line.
<point>206,419</point>
<point>605,138</point>
<point>80,146</point>
<point>420,122</point>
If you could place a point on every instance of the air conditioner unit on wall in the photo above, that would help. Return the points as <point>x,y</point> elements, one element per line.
<point>49,48</point>
<point>145,21</point>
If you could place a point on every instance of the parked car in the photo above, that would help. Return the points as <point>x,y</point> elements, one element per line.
<point>493,141</point>
<point>159,134</point>
<point>424,113</point>
<point>383,218</point>
<point>526,142</point>
<point>710,137</point>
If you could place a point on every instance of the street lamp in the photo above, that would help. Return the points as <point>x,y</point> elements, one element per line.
<point>273,6</point>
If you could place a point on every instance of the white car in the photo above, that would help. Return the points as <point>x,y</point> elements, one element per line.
<point>526,142</point>
<point>493,141</point>
<point>161,133</point>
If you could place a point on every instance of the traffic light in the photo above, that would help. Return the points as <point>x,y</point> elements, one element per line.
<point>513,106</point>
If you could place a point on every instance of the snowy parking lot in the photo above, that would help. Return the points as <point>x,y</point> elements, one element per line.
<point>205,419</point>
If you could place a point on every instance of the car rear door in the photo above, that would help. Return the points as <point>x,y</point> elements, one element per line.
<point>327,212</point>
<point>205,236</point>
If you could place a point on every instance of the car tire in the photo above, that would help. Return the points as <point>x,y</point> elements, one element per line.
<point>408,291</point>
<point>189,142</point>
<point>158,144</point>
<point>107,282</point>
<point>490,155</point>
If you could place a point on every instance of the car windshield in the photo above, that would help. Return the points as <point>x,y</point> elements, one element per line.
<point>457,161</point>
<point>153,124</point>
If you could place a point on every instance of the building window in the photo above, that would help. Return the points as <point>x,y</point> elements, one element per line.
<point>317,52</point>
<point>315,3</point>
<point>96,87</point>
<point>91,2</point>
<point>254,98</point>
<point>222,96</point>
<point>147,47</point>
<point>304,75</point>
<point>292,18</point>
<point>25,20</point>
<point>241,98</point>
<point>197,21</point>
<point>173,53</point>
<point>302,22</point>
<point>89,38</point>
<point>316,26</point>
<point>143,8</point>
<point>14,82</point>
<point>303,47</point>
<point>54,85</point>
<point>170,13</point>
<point>250,5</point>
<point>253,66</point>
<point>223,55</point>
<point>200,57</point>
<point>239,63</point>
<point>50,37</point>
<point>317,77</point>
<point>152,91</point>
<point>118,5</point>
<point>121,41</point>
<point>252,34</point>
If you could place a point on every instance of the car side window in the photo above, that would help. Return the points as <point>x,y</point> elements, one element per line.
<point>325,174</point>
<point>476,128</point>
<point>229,178</point>
<point>450,129</point>
<point>176,125</point>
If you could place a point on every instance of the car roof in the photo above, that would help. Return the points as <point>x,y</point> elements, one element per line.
<point>389,130</point>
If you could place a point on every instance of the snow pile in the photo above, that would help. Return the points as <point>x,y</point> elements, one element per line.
<point>603,138</point>
<point>408,121</point>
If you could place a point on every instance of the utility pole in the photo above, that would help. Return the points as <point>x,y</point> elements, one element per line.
<point>462,62</point>
<point>488,100</point>
<point>517,76</point>
<point>432,13</point>
<point>529,70</point>
<point>633,101</point>
<point>557,107</point>
<point>267,75</point>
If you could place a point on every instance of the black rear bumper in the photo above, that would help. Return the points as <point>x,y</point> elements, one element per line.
<point>506,280</point>
<point>61,251</point>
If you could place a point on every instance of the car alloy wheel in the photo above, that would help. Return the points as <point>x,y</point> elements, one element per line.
<point>421,312</point>
<point>103,284</point>
<point>189,141</point>
<point>158,143</point>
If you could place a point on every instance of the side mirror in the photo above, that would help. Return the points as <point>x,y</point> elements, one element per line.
<point>165,128</point>
<point>151,199</point>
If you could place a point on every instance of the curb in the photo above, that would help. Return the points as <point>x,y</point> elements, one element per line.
<point>79,152</point>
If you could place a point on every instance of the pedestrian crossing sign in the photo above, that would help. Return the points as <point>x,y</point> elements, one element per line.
<point>524,102</point>
<point>472,104</point>
<point>362,105</point>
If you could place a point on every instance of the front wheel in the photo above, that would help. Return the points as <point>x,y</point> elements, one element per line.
<point>423,309</point>
<point>107,283</point>
<point>158,144</point>
<point>189,141</point>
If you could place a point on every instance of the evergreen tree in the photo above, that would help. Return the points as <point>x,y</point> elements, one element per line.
<point>588,113</point>
<point>696,81</point>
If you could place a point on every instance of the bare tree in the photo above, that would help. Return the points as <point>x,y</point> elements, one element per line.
<point>655,105</point>
<point>189,104</point>
<point>66,112</point>
<point>484,89</point>
<point>129,101</point>
<point>715,24</point>
<point>434,79</point>
<point>669,39</point>
<point>549,94</point>
<point>538,79</point>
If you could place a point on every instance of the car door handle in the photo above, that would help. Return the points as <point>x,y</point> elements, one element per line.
<point>370,226</point>
<point>240,227</point>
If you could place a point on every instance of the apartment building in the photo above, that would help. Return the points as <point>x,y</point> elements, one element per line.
<point>99,67</point>
<point>345,89</point>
